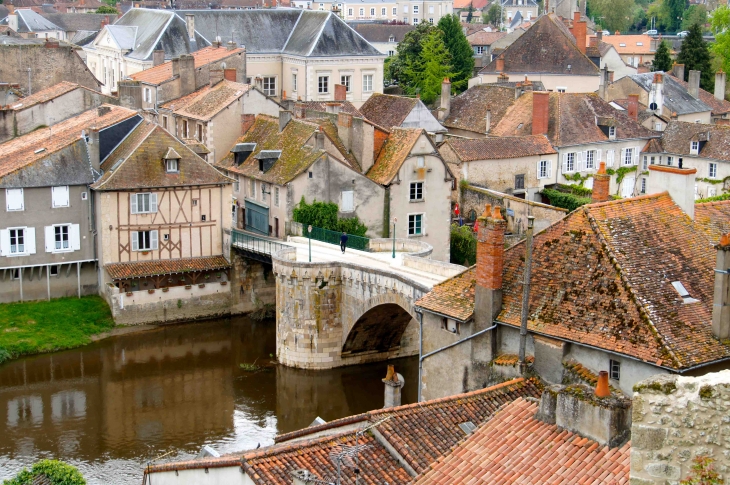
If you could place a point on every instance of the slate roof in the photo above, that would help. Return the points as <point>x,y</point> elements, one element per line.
<point>602,277</point>
<point>485,38</point>
<point>142,269</point>
<point>295,157</point>
<point>137,163</point>
<point>499,148</point>
<point>547,48</point>
<point>387,110</point>
<point>207,102</point>
<point>676,97</point>
<point>677,136</point>
<point>394,152</point>
<point>381,32</point>
<point>572,120</point>
<point>73,22</point>
<point>30,21</point>
<point>56,155</point>
<point>713,218</point>
<point>515,447</point>
<point>159,74</point>
<point>718,106</point>
<point>469,109</point>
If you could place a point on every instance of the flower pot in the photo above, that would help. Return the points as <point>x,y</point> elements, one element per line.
<point>201,285</point>
<point>165,290</point>
<point>187,287</point>
<point>150,291</point>
<point>129,293</point>
<point>224,283</point>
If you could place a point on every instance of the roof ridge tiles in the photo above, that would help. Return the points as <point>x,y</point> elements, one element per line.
<point>627,200</point>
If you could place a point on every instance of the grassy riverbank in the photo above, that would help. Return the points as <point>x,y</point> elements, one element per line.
<point>46,326</point>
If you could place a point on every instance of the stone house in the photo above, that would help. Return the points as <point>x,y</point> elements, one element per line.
<point>391,111</point>
<point>635,50</point>
<point>605,56</point>
<point>481,42</point>
<point>162,213</point>
<point>79,28</point>
<point>30,25</point>
<point>212,115</point>
<point>527,9</point>
<point>546,52</point>
<point>585,130</point>
<point>47,230</point>
<point>585,307</point>
<point>47,107</point>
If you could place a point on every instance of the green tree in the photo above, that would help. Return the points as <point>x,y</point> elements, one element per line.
<point>324,215</point>
<point>408,53</point>
<point>470,13</point>
<point>695,14</point>
<point>430,69</point>
<point>463,245</point>
<point>720,22</point>
<point>662,58</point>
<point>616,14</point>
<point>107,9</point>
<point>675,10</point>
<point>57,473</point>
<point>493,15</point>
<point>462,55</point>
<point>695,55</point>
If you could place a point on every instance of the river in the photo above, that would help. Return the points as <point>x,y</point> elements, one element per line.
<point>110,407</point>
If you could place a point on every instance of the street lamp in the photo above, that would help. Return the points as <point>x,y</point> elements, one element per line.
<point>309,231</point>
<point>395,219</point>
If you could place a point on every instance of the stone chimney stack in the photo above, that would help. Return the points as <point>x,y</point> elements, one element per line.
<point>186,65</point>
<point>93,147</point>
<point>601,184</point>
<point>720,78</point>
<point>634,107</point>
<point>678,71</point>
<point>721,303</point>
<point>158,57</point>
<point>216,76</point>
<point>393,384</point>
<point>488,120</point>
<point>656,96</point>
<point>190,23</point>
<point>445,99</point>
<point>579,32</point>
<point>603,83</point>
<point>344,128</point>
<point>175,66</point>
<point>694,84</point>
<point>679,182</point>
<point>540,112</point>
<point>284,119</point>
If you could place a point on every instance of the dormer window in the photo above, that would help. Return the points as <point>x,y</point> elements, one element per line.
<point>694,147</point>
<point>171,161</point>
<point>172,166</point>
<point>611,132</point>
<point>391,38</point>
<point>683,293</point>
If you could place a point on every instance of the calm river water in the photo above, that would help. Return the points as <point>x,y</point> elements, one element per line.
<point>110,407</point>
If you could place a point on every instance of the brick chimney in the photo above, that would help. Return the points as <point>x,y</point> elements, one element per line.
<point>601,184</point>
<point>104,22</point>
<point>540,112</point>
<point>247,121</point>
<point>445,108</point>
<point>721,302</point>
<point>500,64</point>
<point>720,79</point>
<point>694,84</point>
<point>579,32</point>
<point>679,182</point>
<point>678,71</point>
<point>393,384</point>
<point>340,92</point>
<point>229,74</point>
<point>158,57</point>
<point>634,107</point>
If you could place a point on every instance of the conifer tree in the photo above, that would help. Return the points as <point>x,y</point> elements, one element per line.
<point>433,65</point>
<point>462,55</point>
<point>662,58</point>
<point>470,13</point>
<point>695,55</point>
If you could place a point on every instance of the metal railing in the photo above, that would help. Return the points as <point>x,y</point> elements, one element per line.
<point>333,237</point>
<point>255,244</point>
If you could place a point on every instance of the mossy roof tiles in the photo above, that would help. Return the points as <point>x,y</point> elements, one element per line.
<point>394,152</point>
<point>498,148</point>
<point>602,277</point>
<point>387,110</point>
<point>207,102</point>
<point>142,269</point>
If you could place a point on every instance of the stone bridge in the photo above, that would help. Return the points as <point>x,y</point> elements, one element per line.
<point>348,309</point>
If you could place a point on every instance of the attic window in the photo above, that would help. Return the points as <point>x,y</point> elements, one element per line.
<point>679,287</point>
<point>622,45</point>
<point>639,43</point>
<point>467,427</point>
<point>172,166</point>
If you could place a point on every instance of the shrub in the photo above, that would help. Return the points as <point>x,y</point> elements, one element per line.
<point>703,473</point>
<point>57,472</point>
<point>324,215</point>
<point>565,200</point>
<point>463,245</point>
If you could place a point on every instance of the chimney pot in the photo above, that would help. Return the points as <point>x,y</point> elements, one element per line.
<point>602,389</point>
<point>393,384</point>
<point>540,112</point>
<point>601,184</point>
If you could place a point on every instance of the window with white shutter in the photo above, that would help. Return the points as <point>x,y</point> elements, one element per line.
<point>144,203</point>
<point>609,158</point>
<point>17,241</point>
<point>59,196</point>
<point>14,199</point>
<point>348,201</point>
<point>144,240</point>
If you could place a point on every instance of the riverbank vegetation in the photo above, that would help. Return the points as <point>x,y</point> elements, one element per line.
<point>46,326</point>
<point>51,472</point>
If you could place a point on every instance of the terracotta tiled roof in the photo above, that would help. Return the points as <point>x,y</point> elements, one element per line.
<point>163,72</point>
<point>37,145</point>
<point>546,47</point>
<point>493,148</point>
<point>387,110</point>
<point>713,218</point>
<point>45,95</point>
<point>343,106</point>
<point>296,156</point>
<point>331,132</point>
<point>514,447</point>
<point>630,44</point>
<point>469,109</point>
<point>472,27</point>
<point>395,151</point>
<point>141,269</point>
<point>677,137</point>
<point>205,103</point>
<point>602,277</point>
<point>485,38</point>
<point>464,4</point>
<point>138,163</point>
<point>572,120</point>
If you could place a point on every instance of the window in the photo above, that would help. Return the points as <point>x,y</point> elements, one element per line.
<point>184,128</point>
<point>270,86</point>
<point>615,369</point>
<point>609,158</point>
<point>59,196</point>
<point>415,9</point>
<point>166,237</point>
<point>416,191</point>
<point>323,87</point>
<point>395,10</point>
<point>383,12</point>
<point>391,53</point>
<point>544,169</point>
<point>569,164</point>
<point>520,181</point>
<point>200,132</point>
<point>405,8</point>
<point>611,132</point>
<point>415,224</point>
<point>53,270</point>
<point>560,89</point>
<point>171,165</point>
<point>276,196</point>
<point>430,9</point>
<point>713,170</point>
<point>84,195</point>
<point>237,184</point>
<point>17,241</point>
<point>349,12</point>
<point>310,174</point>
<point>628,156</point>
<point>643,185</point>
<point>590,159</point>
<point>372,12</point>
<point>14,199</point>
<point>652,161</point>
<point>694,147</point>
<point>362,12</point>
<point>264,192</point>
<point>345,81</point>
<point>148,95</point>
<point>367,83</point>
<point>60,237</point>
<point>143,203</point>
<point>670,161</point>
<point>657,127</point>
<point>645,163</point>
<point>15,274</point>
<point>391,38</point>
<point>479,50</point>
<point>415,21</point>
<point>144,240</point>
<point>348,201</point>
<point>195,202</point>
<point>164,122</point>
<point>252,189</point>
<point>430,21</point>
<point>420,162</point>
<point>449,325</point>
<point>294,82</point>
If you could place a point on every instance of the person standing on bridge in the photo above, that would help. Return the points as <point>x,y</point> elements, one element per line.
<point>343,242</point>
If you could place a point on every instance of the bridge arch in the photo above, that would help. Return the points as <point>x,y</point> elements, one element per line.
<point>380,324</point>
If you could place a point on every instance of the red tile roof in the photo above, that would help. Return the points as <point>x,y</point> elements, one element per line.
<point>163,72</point>
<point>514,447</point>
<point>713,218</point>
<point>485,38</point>
<point>394,152</point>
<point>469,109</point>
<point>602,277</point>
<point>142,269</point>
<point>45,95</point>
<point>387,110</point>
<point>207,102</point>
<point>629,44</point>
<point>493,148</point>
